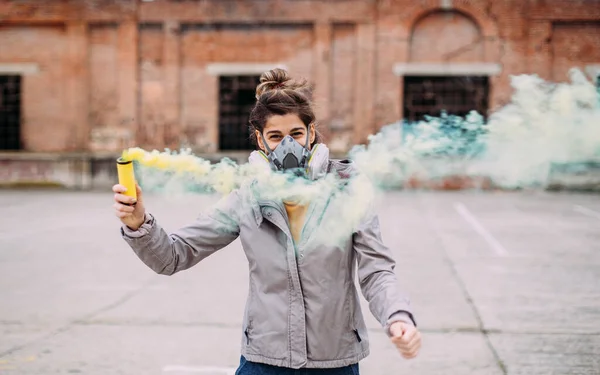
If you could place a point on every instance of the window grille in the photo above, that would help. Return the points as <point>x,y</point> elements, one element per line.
<point>455,95</point>
<point>236,100</point>
<point>10,112</point>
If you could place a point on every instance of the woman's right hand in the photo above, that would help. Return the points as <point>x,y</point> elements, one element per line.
<point>130,214</point>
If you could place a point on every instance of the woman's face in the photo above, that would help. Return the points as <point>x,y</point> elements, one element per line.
<point>277,127</point>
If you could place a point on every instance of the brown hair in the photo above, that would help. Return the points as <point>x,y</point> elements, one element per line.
<point>279,94</point>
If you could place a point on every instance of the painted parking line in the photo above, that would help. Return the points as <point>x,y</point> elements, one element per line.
<point>479,228</point>
<point>586,211</point>
<point>209,370</point>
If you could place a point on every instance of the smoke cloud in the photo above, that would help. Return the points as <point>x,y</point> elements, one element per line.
<point>546,128</point>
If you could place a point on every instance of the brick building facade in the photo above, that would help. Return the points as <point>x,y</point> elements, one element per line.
<point>101,75</point>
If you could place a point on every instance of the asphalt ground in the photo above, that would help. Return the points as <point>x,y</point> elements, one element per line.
<point>501,283</point>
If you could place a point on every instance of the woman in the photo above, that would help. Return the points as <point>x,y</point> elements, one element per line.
<point>303,309</point>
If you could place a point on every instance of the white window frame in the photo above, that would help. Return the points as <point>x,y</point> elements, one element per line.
<point>19,68</point>
<point>441,69</point>
<point>239,69</point>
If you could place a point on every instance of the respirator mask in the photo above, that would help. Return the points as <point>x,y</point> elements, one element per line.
<point>290,156</point>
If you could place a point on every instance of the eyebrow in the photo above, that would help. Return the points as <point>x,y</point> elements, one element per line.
<point>279,132</point>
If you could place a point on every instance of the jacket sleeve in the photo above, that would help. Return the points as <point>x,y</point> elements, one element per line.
<point>376,275</point>
<point>167,254</point>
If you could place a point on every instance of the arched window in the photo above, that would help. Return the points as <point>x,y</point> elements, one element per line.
<point>446,36</point>
<point>444,45</point>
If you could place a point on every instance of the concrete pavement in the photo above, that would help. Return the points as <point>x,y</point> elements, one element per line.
<point>502,283</point>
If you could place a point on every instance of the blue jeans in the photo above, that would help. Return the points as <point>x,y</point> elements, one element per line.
<point>253,368</point>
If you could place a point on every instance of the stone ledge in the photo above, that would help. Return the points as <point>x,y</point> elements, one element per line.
<point>55,156</point>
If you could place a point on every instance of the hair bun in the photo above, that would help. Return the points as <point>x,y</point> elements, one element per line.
<point>278,79</point>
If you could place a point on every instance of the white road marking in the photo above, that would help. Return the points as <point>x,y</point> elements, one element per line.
<point>200,370</point>
<point>479,228</point>
<point>586,211</point>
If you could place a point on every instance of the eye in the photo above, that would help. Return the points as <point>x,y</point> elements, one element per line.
<point>275,137</point>
<point>297,134</point>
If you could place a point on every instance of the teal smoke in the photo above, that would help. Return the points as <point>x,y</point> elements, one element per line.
<point>549,133</point>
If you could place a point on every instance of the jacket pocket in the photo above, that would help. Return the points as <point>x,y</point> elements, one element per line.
<point>249,326</point>
<point>249,314</point>
<point>351,306</point>
<point>357,335</point>
<point>352,314</point>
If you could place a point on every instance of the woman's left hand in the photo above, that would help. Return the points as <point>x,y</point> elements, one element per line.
<point>407,339</point>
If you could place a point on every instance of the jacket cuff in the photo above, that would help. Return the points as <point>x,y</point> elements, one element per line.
<point>143,230</point>
<point>399,316</point>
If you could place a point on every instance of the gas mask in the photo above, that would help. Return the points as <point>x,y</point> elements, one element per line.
<point>291,156</point>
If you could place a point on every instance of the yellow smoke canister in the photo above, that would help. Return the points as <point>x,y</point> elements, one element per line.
<point>127,176</point>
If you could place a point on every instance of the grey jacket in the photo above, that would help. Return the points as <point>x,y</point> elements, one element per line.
<point>302,308</point>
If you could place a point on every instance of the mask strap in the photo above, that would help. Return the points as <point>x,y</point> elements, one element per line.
<point>270,154</point>
<point>265,143</point>
<point>307,137</point>
<point>306,151</point>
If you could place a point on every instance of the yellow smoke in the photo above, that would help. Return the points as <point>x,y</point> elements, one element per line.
<point>183,162</point>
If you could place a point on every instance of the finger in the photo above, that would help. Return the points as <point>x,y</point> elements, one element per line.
<point>410,339</point>
<point>398,341</point>
<point>409,353</point>
<point>401,341</point>
<point>124,199</point>
<point>413,352</point>
<point>121,214</point>
<point>409,334</point>
<point>415,345</point>
<point>405,347</point>
<point>124,208</point>
<point>138,191</point>
<point>413,348</point>
<point>118,188</point>
<point>397,329</point>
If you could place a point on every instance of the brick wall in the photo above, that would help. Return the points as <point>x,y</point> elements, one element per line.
<point>151,129</point>
<point>44,108</point>
<point>343,78</point>
<point>121,73</point>
<point>103,85</point>
<point>574,45</point>
<point>290,45</point>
